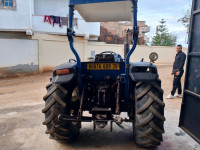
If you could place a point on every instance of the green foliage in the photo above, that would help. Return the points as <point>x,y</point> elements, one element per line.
<point>162,37</point>
<point>185,20</point>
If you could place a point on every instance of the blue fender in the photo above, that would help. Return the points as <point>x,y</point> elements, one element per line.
<point>63,79</point>
<point>143,71</point>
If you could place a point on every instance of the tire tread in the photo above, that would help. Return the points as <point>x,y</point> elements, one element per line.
<point>55,104</point>
<point>149,112</point>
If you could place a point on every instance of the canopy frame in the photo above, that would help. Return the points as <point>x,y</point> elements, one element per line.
<point>71,33</point>
<point>77,2</point>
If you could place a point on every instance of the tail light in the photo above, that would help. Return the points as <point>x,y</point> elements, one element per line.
<point>62,72</point>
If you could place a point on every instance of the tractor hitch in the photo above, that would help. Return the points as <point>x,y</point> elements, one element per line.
<point>96,123</point>
<point>65,118</point>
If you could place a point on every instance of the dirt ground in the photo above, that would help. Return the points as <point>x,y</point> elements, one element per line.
<point>21,120</point>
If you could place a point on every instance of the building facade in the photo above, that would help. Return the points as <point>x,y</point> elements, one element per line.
<point>115,32</point>
<point>31,28</point>
<point>29,16</point>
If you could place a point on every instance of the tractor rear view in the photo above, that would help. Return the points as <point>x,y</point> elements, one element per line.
<point>107,85</point>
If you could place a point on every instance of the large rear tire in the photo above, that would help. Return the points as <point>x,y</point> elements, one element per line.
<point>149,114</point>
<point>59,100</point>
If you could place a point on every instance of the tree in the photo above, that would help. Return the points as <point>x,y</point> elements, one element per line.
<point>185,20</point>
<point>162,37</point>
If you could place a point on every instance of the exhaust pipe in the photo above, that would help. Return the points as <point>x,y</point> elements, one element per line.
<point>126,45</point>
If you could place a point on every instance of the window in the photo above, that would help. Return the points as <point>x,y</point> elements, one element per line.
<point>8,3</point>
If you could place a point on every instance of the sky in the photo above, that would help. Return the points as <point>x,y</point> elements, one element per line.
<point>152,11</point>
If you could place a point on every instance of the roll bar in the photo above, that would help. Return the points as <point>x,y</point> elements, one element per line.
<point>71,33</point>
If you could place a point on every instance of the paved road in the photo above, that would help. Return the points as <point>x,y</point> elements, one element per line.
<point>21,129</point>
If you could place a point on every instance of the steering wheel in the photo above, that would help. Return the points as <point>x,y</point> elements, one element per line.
<point>108,52</point>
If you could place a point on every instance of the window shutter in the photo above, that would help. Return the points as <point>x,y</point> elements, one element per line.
<point>14,4</point>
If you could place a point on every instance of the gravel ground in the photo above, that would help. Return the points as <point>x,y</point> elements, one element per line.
<point>21,120</point>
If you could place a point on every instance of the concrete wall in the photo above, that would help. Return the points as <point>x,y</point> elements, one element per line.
<point>45,52</point>
<point>166,54</point>
<point>16,19</point>
<point>14,35</point>
<point>51,7</point>
<point>18,57</point>
<point>54,50</point>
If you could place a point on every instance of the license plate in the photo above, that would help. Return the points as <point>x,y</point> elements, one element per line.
<point>103,66</point>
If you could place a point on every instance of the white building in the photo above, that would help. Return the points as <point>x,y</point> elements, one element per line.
<point>28,16</point>
<point>27,43</point>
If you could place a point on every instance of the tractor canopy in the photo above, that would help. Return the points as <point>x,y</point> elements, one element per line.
<point>104,10</point>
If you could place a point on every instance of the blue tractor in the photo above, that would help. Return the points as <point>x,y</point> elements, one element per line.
<point>105,86</point>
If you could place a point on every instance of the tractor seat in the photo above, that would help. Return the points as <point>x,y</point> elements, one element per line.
<point>108,56</point>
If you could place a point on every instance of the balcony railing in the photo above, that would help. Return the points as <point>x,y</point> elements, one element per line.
<point>82,29</point>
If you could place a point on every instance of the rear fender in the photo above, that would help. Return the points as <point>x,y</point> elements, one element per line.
<point>143,71</point>
<point>62,79</point>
